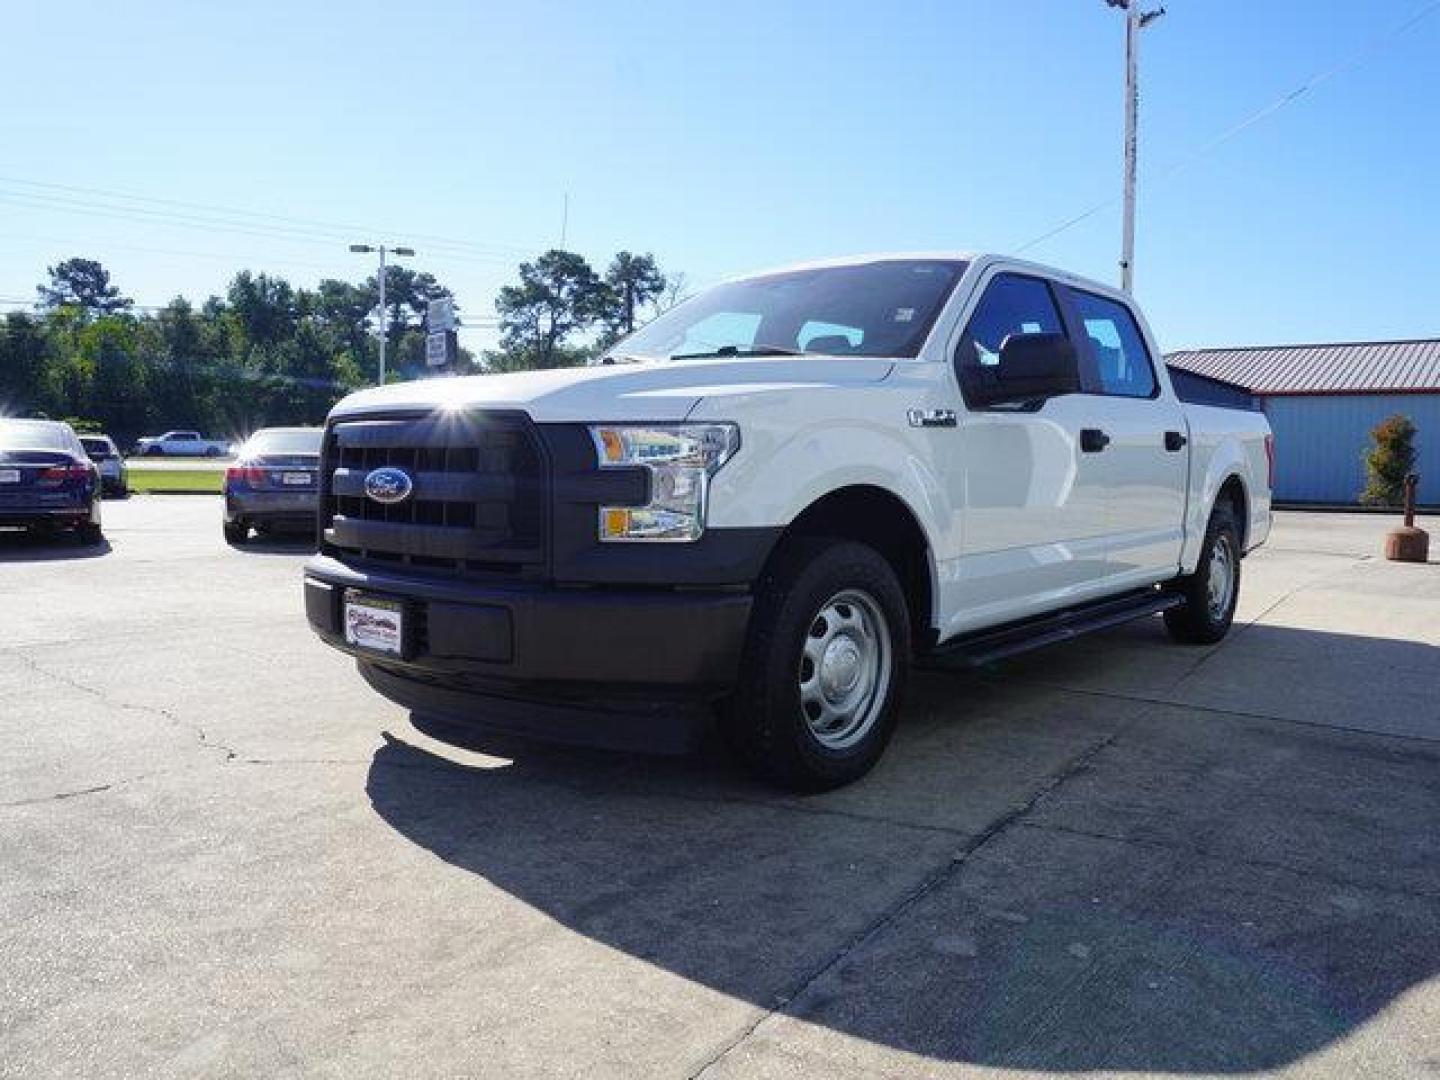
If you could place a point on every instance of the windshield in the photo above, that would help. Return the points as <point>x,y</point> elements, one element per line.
<point>284,441</point>
<point>881,308</point>
<point>34,435</point>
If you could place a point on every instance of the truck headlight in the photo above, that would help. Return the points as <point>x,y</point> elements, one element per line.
<point>681,458</point>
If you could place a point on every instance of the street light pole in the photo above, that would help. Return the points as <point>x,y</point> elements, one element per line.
<point>366,248</point>
<point>1135,21</point>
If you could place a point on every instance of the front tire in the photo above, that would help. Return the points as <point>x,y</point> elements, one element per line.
<point>236,532</point>
<point>824,666</point>
<point>1212,592</point>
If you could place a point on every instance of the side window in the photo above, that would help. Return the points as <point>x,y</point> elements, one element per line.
<point>1122,362</point>
<point>1012,304</point>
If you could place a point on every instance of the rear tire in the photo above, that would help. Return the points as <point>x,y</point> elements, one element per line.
<point>824,666</point>
<point>90,534</point>
<point>1213,590</point>
<point>236,532</point>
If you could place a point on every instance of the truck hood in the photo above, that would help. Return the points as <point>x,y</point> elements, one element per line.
<point>662,390</point>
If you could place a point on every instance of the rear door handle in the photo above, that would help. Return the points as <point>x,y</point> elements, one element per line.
<point>1093,440</point>
<point>1175,442</point>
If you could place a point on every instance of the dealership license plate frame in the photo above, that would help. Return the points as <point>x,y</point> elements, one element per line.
<point>373,625</point>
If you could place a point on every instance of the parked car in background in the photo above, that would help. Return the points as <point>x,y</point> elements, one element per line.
<point>47,481</point>
<point>181,444</point>
<point>272,484</point>
<point>114,477</point>
<point>771,498</point>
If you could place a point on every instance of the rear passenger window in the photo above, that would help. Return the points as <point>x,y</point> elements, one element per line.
<point>1122,361</point>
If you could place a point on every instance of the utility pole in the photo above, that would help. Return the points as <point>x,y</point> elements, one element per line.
<point>1135,21</point>
<point>398,251</point>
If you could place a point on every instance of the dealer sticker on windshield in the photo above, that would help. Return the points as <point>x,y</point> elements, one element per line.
<point>374,625</point>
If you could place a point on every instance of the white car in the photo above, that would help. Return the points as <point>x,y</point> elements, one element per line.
<point>181,444</point>
<point>775,497</point>
<point>114,478</point>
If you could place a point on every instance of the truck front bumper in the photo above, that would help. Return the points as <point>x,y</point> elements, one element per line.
<point>541,660</point>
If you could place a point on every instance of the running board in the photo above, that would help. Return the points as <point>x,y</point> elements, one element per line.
<point>987,646</point>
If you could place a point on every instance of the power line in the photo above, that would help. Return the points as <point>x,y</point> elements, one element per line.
<point>1352,61</point>
<point>310,238</point>
<point>309,224</point>
<point>147,250</point>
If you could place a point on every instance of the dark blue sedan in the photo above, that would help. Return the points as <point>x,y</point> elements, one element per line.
<point>272,485</point>
<point>47,481</point>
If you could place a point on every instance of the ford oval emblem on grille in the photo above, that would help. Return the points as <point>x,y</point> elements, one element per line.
<point>388,486</point>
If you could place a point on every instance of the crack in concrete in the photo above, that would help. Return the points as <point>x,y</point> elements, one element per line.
<point>1286,597</point>
<point>103,697</point>
<point>939,876</point>
<point>1240,714</point>
<point>77,793</point>
<point>1231,859</point>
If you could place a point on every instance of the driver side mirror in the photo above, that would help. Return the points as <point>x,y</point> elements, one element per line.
<point>1032,367</point>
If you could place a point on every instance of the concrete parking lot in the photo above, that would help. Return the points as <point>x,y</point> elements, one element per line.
<point>224,856</point>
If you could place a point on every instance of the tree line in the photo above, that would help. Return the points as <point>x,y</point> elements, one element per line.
<point>268,352</point>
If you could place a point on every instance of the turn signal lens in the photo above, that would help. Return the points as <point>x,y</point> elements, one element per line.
<point>681,458</point>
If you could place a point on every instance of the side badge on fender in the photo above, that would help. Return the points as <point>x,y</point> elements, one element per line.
<point>931,417</point>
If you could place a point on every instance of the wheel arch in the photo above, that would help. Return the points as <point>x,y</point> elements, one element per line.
<point>1232,490</point>
<point>881,519</point>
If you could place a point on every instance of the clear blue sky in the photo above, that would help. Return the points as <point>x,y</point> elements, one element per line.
<point>735,135</point>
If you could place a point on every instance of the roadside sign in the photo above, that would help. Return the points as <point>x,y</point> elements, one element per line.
<point>440,349</point>
<point>440,316</point>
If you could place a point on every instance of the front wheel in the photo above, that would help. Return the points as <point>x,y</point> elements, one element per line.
<point>236,532</point>
<point>1212,591</point>
<point>824,666</point>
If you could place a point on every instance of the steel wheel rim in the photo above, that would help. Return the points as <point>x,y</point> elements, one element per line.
<point>846,665</point>
<point>1221,579</point>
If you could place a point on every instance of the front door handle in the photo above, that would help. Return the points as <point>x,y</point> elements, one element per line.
<point>1175,441</point>
<point>1093,440</point>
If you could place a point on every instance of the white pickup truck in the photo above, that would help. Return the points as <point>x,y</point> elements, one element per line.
<point>771,500</point>
<point>180,444</point>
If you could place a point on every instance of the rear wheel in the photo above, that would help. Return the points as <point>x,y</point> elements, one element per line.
<point>90,534</point>
<point>1213,590</point>
<point>824,665</point>
<point>236,532</point>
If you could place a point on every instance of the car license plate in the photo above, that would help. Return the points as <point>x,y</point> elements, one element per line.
<point>295,479</point>
<point>375,625</point>
<point>9,476</point>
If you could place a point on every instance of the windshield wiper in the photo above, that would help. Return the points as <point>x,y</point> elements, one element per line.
<point>741,350</point>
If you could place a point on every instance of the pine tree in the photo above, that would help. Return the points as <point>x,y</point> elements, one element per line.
<point>1389,461</point>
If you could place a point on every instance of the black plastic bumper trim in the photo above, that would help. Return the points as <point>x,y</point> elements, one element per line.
<point>613,637</point>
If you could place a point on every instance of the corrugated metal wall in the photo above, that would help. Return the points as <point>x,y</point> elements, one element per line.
<point>1321,440</point>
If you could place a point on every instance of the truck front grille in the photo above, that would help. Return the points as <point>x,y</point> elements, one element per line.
<point>478,501</point>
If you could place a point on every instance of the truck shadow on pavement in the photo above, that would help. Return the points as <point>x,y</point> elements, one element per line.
<point>276,544</point>
<point>1036,878</point>
<point>18,545</point>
